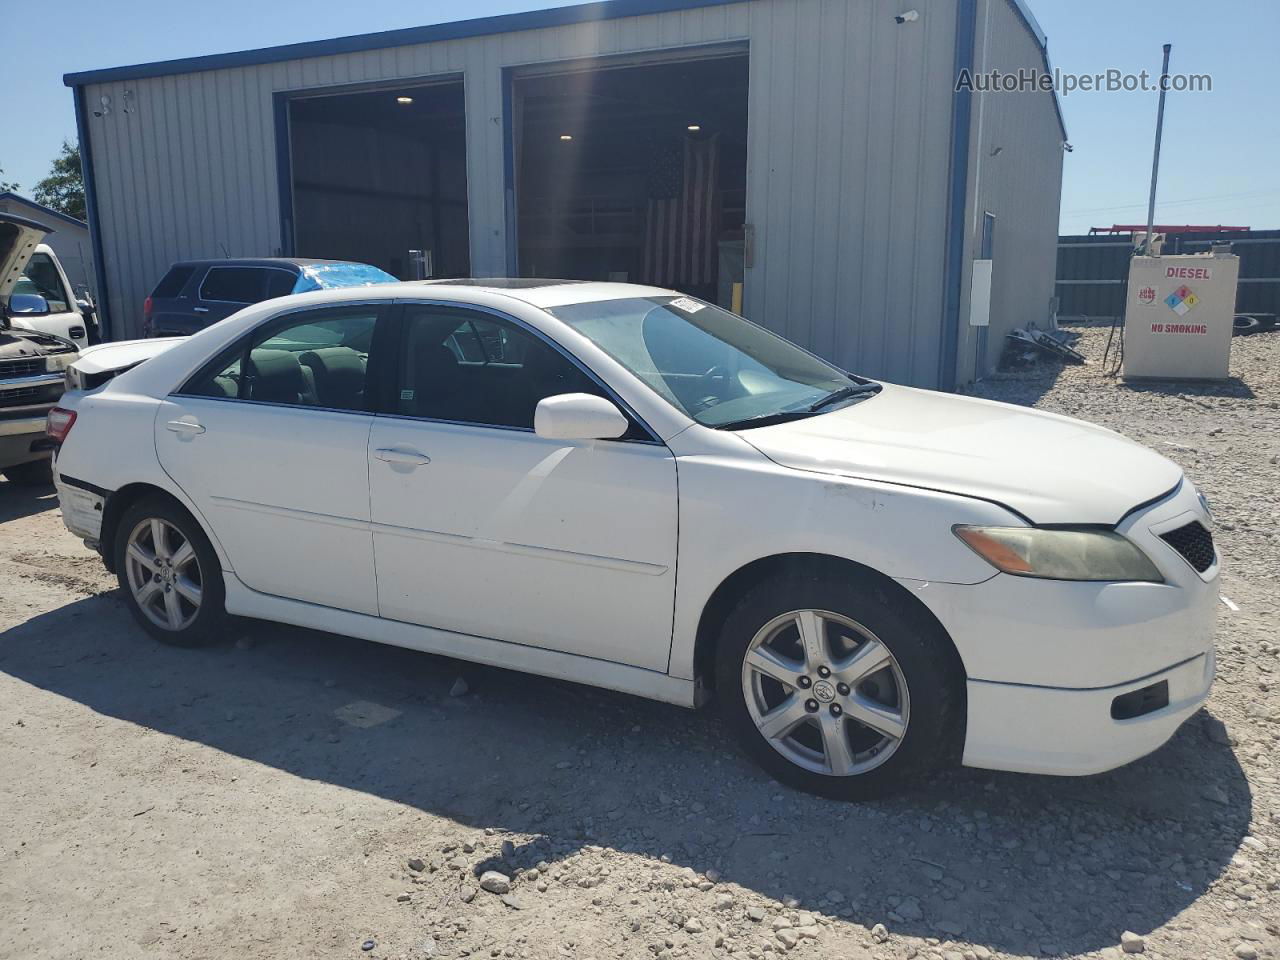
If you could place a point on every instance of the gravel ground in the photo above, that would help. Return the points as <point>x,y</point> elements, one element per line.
<point>294,794</point>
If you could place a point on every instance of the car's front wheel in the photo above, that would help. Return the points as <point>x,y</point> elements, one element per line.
<point>838,687</point>
<point>170,574</point>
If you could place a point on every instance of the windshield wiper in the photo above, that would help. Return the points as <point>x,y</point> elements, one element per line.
<point>764,420</point>
<point>786,416</point>
<point>844,393</point>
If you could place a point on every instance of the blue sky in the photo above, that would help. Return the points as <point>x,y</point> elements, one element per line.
<point>1218,164</point>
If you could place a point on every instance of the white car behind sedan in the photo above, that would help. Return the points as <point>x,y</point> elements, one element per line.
<point>630,488</point>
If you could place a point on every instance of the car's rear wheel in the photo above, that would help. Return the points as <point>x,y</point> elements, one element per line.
<point>837,688</point>
<point>170,574</point>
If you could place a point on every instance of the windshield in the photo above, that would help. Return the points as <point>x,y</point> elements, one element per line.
<point>718,368</point>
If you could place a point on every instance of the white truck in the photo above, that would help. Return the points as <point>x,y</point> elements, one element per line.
<point>61,314</point>
<point>39,339</point>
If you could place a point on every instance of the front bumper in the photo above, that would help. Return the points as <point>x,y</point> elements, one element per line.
<point>1045,660</point>
<point>1071,732</point>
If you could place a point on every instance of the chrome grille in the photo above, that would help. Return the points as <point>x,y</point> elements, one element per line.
<point>1194,543</point>
<point>22,367</point>
<point>22,396</point>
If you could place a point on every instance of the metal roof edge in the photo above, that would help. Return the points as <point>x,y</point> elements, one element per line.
<point>430,33</point>
<point>66,217</point>
<point>1029,21</point>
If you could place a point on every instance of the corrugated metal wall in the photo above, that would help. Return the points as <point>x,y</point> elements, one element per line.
<point>1015,173</point>
<point>847,163</point>
<point>849,131</point>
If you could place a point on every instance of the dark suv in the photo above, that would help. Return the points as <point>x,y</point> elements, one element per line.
<point>197,293</point>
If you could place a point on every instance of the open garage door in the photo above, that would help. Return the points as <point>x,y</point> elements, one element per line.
<point>381,174</point>
<point>635,173</point>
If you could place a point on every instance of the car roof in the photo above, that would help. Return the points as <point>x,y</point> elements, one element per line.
<point>540,293</point>
<point>256,262</point>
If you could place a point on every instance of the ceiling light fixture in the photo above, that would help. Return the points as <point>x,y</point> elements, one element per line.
<point>404,100</point>
<point>693,127</point>
<point>566,136</point>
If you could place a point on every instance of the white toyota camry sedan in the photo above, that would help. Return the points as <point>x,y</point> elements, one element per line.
<point>626,487</point>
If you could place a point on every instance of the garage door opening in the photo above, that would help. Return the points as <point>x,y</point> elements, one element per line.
<point>635,173</point>
<point>380,174</point>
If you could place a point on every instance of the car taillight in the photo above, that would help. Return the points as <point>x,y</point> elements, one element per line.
<point>146,317</point>
<point>59,423</point>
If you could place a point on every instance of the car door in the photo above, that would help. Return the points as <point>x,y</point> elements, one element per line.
<point>484,528</point>
<point>270,440</point>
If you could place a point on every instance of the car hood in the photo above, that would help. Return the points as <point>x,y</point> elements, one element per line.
<point>18,239</point>
<point>1049,468</point>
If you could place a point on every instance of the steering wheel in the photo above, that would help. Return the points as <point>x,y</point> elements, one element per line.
<point>716,379</point>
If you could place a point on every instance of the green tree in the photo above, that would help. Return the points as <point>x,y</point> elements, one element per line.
<point>7,186</point>
<point>63,189</point>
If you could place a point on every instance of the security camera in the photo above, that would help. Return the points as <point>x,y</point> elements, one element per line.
<point>911,16</point>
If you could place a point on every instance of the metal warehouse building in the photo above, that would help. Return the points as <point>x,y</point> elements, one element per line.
<point>814,162</point>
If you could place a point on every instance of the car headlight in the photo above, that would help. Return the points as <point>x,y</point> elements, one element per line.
<point>1059,554</point>
<point>58,362</point>
<point>1204,504</point>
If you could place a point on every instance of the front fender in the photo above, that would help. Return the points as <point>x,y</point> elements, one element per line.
<point>735,511</point>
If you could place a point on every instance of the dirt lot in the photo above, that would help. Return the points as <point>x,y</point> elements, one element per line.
<point>267,798</point>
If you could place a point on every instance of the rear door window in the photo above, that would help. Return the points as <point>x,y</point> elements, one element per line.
<point>172,283</point>
<point>319,358</point>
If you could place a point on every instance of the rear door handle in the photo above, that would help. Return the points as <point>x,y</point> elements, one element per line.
<point>199,309</point>
<point>401,455</point>
<point>186,427</point>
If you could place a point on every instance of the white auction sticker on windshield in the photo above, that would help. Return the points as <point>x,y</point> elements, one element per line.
<point>687,305</point>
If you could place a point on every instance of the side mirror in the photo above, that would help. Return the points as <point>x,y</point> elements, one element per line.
<point>578,416</point>
<point>90,314</point>
<point>27,305</point>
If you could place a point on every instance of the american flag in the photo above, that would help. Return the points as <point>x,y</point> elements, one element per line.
<point>680,214</point>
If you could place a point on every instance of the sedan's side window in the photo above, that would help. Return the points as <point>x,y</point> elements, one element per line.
<point>318,359</point>
<point>474,368</point>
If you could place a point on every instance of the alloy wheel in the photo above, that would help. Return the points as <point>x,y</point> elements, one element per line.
<point>825,692</point>
<point>164,574</point>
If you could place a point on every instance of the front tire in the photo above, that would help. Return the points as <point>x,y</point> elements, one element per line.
<point>836,687</point>
<point>170,574</point>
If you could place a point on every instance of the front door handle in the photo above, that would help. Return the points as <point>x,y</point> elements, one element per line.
<point>401,455</point>
<point>188,428</point>
<point>199,309</point>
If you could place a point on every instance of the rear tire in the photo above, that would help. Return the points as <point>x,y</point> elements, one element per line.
<point>37,473</point>
<point>838,688</point>
<point>170,574</point>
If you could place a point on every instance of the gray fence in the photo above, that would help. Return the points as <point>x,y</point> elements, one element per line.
<point>1093,271</point>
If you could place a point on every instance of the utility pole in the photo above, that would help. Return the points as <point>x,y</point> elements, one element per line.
<point>1155,160</point>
